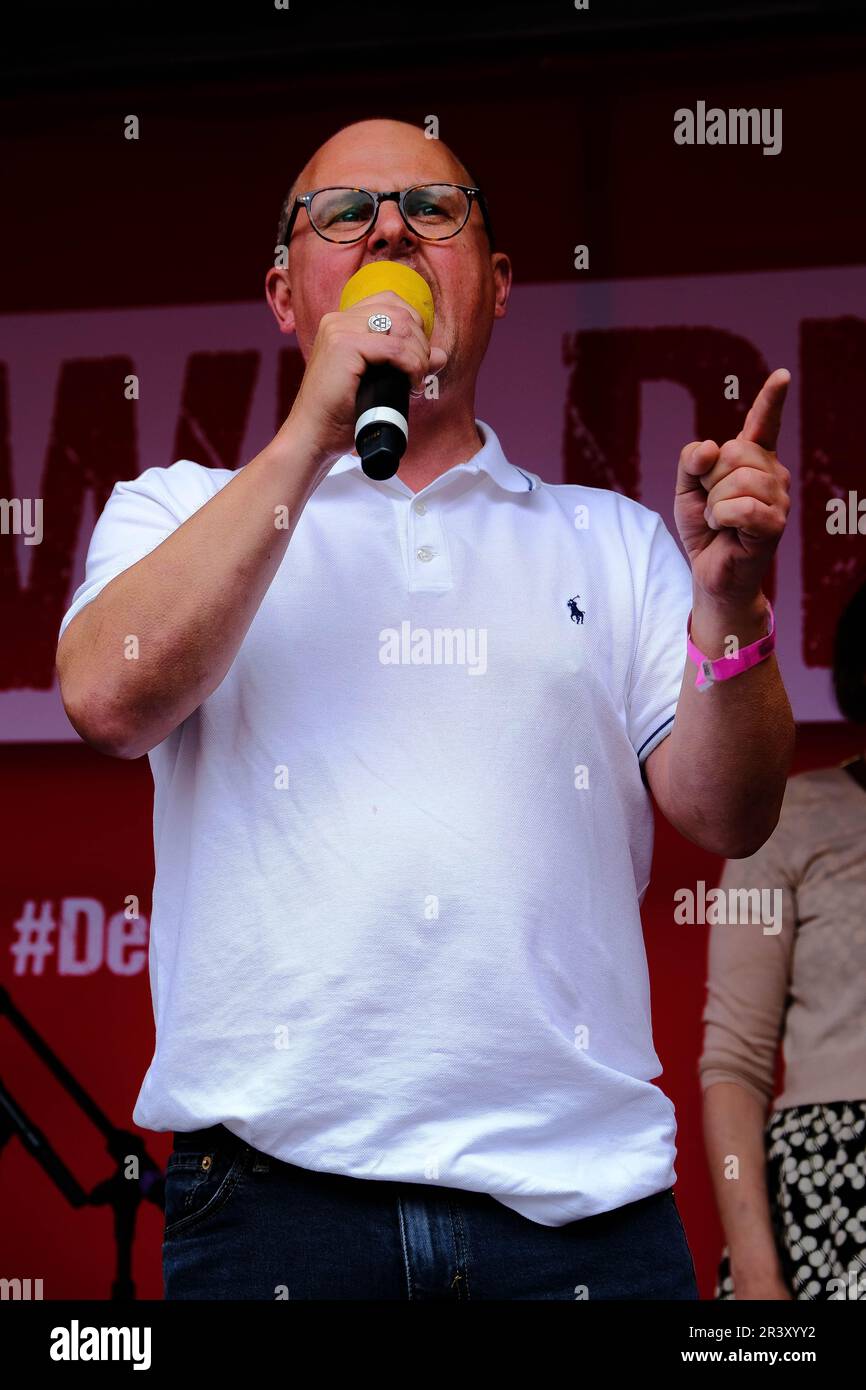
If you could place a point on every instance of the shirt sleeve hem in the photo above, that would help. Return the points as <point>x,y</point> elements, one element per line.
<point>79,604</point>
<point>709,1078</point>
<point>654,739</point>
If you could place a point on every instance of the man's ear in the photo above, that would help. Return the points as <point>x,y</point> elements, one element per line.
<point>278,292</point>
<point>501,267</point>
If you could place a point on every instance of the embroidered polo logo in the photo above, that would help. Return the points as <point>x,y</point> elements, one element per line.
<point>577,614</point>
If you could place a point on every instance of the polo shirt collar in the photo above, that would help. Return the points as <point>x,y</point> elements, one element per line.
<point>489,459</point>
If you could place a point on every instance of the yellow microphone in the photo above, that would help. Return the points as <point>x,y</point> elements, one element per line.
<point>382,403</point>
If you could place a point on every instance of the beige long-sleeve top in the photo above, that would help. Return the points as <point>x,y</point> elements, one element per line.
<point>804,985</point>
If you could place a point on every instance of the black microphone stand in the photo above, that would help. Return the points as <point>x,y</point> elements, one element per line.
<point>121,1192</point>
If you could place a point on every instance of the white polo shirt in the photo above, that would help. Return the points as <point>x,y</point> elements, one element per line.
<point>400,850</point>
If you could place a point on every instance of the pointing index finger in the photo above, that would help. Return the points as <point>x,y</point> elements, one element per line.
<point>764,420</point>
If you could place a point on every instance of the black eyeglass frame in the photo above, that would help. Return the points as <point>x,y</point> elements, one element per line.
<point>473,195</point>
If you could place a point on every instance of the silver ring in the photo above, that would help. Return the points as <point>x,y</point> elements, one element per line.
<point>379,323</point>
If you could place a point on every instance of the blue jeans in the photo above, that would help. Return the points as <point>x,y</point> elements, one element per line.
<point>242,1225</point>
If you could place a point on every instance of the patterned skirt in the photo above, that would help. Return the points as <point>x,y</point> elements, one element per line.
<point>816,1184</point>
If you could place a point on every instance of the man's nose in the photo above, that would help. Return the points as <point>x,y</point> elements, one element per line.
<point>390,230</point>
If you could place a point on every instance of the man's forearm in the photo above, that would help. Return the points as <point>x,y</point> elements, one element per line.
<point>730,749</point>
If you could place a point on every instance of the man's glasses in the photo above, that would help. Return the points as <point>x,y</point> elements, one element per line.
<point>432,211</point>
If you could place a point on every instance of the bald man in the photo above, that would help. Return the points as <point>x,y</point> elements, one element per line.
<point>405,737</point>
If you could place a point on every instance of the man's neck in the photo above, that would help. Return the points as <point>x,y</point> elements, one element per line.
<point>435,444</point>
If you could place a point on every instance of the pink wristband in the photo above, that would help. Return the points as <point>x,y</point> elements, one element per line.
<point>726,667</point>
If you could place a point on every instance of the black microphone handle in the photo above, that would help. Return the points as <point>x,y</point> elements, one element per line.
<point>381,439</point>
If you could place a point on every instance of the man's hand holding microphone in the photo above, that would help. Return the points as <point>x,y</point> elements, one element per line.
<point>366,357</point>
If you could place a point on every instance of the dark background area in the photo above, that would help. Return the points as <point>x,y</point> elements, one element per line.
<point>232,101</point>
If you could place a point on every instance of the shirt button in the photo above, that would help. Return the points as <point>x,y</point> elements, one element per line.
<point>425,553</point>
<point>420,508</point>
